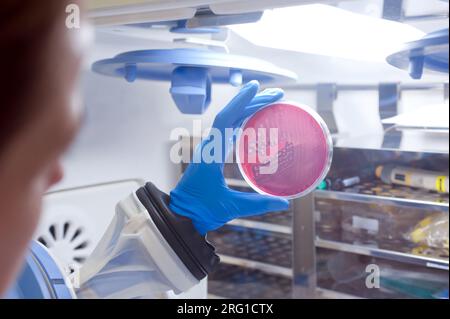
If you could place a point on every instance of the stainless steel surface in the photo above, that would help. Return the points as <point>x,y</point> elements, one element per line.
<point>381,200</point>
<point>370,87</point>
<point>283,218</point>
<point>262,225</point>
<point>383,253</point>
<point>236,182</point>
<point>326,95</point>
<point>230,281</point>
<point>304,252</point>
<point>252,264</point>
<point>331,294</point>
<point>392,10</point>
<point>347,273</point>
<point>253,244</point>
<point>392,140</point>
<point>388,97</point>
<point>424,17</point>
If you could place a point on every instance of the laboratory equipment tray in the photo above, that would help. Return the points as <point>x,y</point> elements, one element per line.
<point>367,250</point>
<point>347,273</point>
<point>283,218</point>
<point>378,188</point>
<point>253,244</point>
<point>379,224</point>
<point>230,281</point>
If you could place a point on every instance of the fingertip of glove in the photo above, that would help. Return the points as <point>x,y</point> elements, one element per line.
<point>277,92</point>
<point>253,84</point>
<point>275,203</point>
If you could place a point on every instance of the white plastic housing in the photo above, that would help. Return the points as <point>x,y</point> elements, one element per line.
<point>133,260</point>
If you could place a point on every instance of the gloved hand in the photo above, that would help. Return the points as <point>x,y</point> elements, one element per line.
<point>202,194</point>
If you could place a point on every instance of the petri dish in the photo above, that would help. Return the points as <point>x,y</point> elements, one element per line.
<point>284,150</point>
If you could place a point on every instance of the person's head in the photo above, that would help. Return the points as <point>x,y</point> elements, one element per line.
<point>37,117</point>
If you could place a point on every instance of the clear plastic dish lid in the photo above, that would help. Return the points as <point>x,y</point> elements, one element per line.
<point>284,150</point>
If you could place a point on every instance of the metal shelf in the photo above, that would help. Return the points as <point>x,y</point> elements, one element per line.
<point>380,200</point>
<point>237,182</point>
<point>213,296</point>
<point>392,140</point>
<point>384,254</point>
<point>280,218</point>
<point>364,198</point>
<point>253,245</point>
<point>323,293</point>
<point>262,226</point>
<point>230,281</point>
<point>252,264</point>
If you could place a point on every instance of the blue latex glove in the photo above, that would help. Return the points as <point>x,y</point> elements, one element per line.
<point>202,194</point>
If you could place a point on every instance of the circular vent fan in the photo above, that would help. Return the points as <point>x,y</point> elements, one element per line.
<point>67,236</point>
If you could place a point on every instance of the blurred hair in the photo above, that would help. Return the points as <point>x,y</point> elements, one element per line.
<point>25,29</point>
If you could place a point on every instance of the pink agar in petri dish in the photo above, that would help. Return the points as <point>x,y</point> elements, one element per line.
<point>291,162</point>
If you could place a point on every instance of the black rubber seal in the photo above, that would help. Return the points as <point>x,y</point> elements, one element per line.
<point>197,254</point>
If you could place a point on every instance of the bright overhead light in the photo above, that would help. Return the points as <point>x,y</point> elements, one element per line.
<point>327,30</point>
